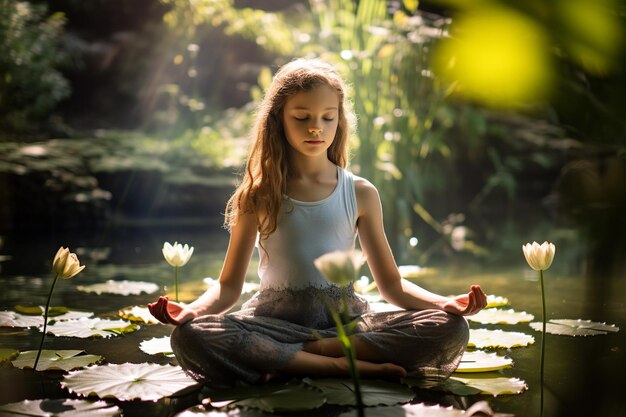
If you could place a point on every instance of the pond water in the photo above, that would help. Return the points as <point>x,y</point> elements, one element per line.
<point>582,375</point>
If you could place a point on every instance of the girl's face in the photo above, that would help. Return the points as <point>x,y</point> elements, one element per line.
<point>310,119</point>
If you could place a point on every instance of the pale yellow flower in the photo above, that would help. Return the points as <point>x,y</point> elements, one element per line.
<point>177,254</point>
<point>539,257</point>
<point>340,267</point>
<point>66,264</point>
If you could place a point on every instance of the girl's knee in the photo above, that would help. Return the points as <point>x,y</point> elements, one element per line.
<point>457,328</point>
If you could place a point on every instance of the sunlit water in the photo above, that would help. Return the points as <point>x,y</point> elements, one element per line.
<point>578,370</point>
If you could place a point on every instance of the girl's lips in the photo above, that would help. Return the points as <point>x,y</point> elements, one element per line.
<point>314,142</point>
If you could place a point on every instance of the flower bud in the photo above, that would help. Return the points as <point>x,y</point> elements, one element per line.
<point>539,257</point>
<point>66,264</point>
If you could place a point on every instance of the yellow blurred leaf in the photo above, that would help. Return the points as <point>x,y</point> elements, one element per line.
<point>498,56</point>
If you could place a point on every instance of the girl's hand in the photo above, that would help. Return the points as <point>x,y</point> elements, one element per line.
<point>169,312</point>
<point>467,304</point>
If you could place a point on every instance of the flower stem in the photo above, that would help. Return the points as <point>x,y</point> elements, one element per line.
<point>45,321</point>
<point>349,351</point>
<point>176,281</point>
<point>543,337</point>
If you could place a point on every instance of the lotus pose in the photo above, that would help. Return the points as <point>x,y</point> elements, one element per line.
<point>296,202</point>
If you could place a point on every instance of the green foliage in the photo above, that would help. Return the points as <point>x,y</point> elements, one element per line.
<point>30,83</point>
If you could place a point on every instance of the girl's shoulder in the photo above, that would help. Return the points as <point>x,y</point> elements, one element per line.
<point>366,194</point>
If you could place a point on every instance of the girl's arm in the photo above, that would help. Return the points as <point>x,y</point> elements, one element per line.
<point>392,287</point>
<point>222,296</point>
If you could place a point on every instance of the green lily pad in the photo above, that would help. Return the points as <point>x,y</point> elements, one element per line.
<point>64,360</point>
<point>120,287</point>
<point>488,383</point>
<point>496,301</point>
<point>53,311</point>
<point>85,327</point>
<point>483,338</point>
<point>500,316</point>
<point>59,407</point>
<point>423,410</point>
<point>128,381</point>
<point>567,327</point>
<point>270,397</point>
<point>7,355</point>
<point>341,391</point>
<point>479,361</point>
<point>383,307</point>
<point>138,314</point>
<point>198,411</point>
<point>248,287</point>
<point>587,324</point>
<point>157,345</point>
<point>13,319</point>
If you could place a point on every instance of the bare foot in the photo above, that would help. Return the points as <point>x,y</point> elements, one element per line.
<point>371,369</point>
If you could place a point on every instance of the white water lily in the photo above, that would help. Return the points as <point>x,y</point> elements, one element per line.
<point>539,257</point>
<point>177,255</point>
<point>66,264</point>
<point>340,267</point>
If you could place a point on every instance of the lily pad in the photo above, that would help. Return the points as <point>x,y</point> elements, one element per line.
<point>64,360</point>
<point>7,355</point>
<point>423,410</point>
<point>248,287</point>
<point>59,407</point>
<point>490,384</point>
<point>198,411</point>
<point>341,391</point>
<point>53,311</point>
<point>383,307</point>
<point>479,361</point>
<point>587,324</point>
<point>483,338</point>
<point>496,301</point>
<point>128,381</point>
<point>120,287</point>
<point>138,314</point>
<point>85,327</point>
<point>270,397</point>
<point>414,271</point>
<point>500,316</point>
<point>157,345</point>
<point>13,319</point>
<point>567,327</point>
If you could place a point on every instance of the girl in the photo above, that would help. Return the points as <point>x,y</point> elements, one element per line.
<point>297,202</point>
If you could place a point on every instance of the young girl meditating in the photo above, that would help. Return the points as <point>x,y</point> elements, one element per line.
<point>297,202</point>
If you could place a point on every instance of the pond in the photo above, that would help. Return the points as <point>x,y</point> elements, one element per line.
<point>582,374</point>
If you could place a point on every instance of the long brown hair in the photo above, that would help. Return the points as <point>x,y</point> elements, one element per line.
<point>264,182</point>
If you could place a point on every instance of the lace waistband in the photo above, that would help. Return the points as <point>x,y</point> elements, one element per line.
<point>306,306</point>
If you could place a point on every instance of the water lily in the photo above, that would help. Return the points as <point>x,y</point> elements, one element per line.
<point>177,255</point>
<point>341,268</point>
<point>540,257</point>
<point>65,265</point>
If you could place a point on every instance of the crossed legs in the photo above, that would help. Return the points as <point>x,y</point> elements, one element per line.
<point>325,357</point>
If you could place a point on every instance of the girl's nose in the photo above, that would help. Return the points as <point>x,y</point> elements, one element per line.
<point>315,130</point>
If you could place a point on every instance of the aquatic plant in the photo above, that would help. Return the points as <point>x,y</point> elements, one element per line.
<point>341,267</point>
<point>177,255</point>
<point>540,257</point>
<point>65,265</point>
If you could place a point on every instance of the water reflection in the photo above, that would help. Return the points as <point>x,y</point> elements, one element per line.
<point>135,254</point>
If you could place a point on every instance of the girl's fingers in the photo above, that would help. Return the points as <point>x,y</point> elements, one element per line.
<point>158,309</point>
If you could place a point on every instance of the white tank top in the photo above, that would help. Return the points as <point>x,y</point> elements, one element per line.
<point>305,231</point>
